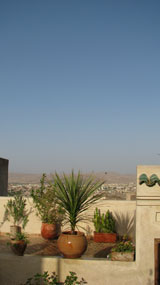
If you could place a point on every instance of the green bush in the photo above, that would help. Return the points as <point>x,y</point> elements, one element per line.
<point>123,246</point>
<point>15,211</point>
<point>45,202</point>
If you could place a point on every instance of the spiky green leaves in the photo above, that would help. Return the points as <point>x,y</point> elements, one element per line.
<point>76,194</point>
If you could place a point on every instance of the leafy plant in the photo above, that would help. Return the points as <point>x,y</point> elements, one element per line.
<point>124,246</point>
<point>52,279</point>
<point>45,202</point>
<point>21,236</point>
<point>15,210</point>
<point>75,195</point>
<point>72,279</point>
<point>104,223</point>
<point>18,237</point>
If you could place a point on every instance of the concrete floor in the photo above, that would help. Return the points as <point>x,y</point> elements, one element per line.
<point>38,246</point>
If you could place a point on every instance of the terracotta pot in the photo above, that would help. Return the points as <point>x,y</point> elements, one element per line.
<point>49,231</point>
<point>122,256</point>
<point>105,237</point>
<point>18,247</point>
<point>14,230</point>
<point>72,246</point>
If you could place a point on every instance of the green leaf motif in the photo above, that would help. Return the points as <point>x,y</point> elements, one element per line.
<point>151,181</point>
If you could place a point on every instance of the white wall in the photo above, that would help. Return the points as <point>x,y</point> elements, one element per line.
<point>124,212</point>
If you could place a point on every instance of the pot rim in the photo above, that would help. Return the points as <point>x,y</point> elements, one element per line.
<point>55,224</point>
<point>78,233</point>
<point>105,233</point>
<point>18,241</point>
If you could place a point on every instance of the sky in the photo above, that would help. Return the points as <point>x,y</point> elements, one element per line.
<point>79,85</point>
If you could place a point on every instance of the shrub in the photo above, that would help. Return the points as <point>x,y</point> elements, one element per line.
<point>123,246</point>
<point>15,210</point>
<point>45,202</point>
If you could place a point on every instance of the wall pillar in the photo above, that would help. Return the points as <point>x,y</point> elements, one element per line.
<point>4,177</point>
<point>147,221</point>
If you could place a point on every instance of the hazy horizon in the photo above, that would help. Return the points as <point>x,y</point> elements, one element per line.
<point>68,172</point>
<point>79,85</point>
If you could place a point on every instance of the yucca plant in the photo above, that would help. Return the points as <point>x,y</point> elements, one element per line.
<point>75,195</point>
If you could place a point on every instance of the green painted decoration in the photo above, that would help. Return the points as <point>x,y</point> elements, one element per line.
<point>149,181</point>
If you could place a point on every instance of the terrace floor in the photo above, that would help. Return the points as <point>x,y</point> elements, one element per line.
<point>39,246</point>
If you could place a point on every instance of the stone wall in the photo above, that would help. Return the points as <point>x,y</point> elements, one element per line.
<point>124,212</point>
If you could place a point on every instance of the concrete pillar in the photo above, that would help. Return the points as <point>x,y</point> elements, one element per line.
<point>4,177</point>
<point>147,223</point>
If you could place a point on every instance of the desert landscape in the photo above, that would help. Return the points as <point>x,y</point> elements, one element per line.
<point>108,177</point>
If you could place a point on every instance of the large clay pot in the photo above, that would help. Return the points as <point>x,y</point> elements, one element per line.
<point>105,237</point>
<point>72,246</point>
<point>18,247</point>
<point>49,231</point>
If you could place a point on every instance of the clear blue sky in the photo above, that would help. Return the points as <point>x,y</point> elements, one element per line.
<point>79,85</point>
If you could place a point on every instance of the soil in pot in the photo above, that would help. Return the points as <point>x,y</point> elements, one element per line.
<point>18,247</point>
<point>72,246</point>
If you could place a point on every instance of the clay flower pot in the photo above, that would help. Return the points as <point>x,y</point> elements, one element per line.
<point>49,231</point>
<point>72,246</point>
<point>105,237</point>
<point>122,256</point>
<point>18,247</point>
<point>14,230</point>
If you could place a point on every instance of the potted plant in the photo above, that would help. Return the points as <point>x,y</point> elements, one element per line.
<point>47,209</point>
<point>16,213</point>
<point>19,243</point>
<point>123,251</point>
<point>104,224</point>
<point>75,195</point>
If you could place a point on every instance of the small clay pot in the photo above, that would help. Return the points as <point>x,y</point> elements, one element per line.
<point>49,231</point>
<point>14,230</point>
<point>105,237</point>
<point>122,256</point>
<point>18,247</point>
<point>72,246</point>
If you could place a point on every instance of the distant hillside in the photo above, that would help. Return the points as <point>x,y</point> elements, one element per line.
<point>109,177</point>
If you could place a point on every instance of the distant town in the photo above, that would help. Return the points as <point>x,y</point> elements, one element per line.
<point>112,191</point>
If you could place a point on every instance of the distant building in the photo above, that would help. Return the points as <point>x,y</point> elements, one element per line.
<point>4,177</point>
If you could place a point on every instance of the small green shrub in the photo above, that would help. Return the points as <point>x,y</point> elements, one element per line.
<point>15,211</point>
<point>45,203</point>
<point>46,279</point>
<point>104,223</point>
<point>123,246</point>
<point>21,236</point>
